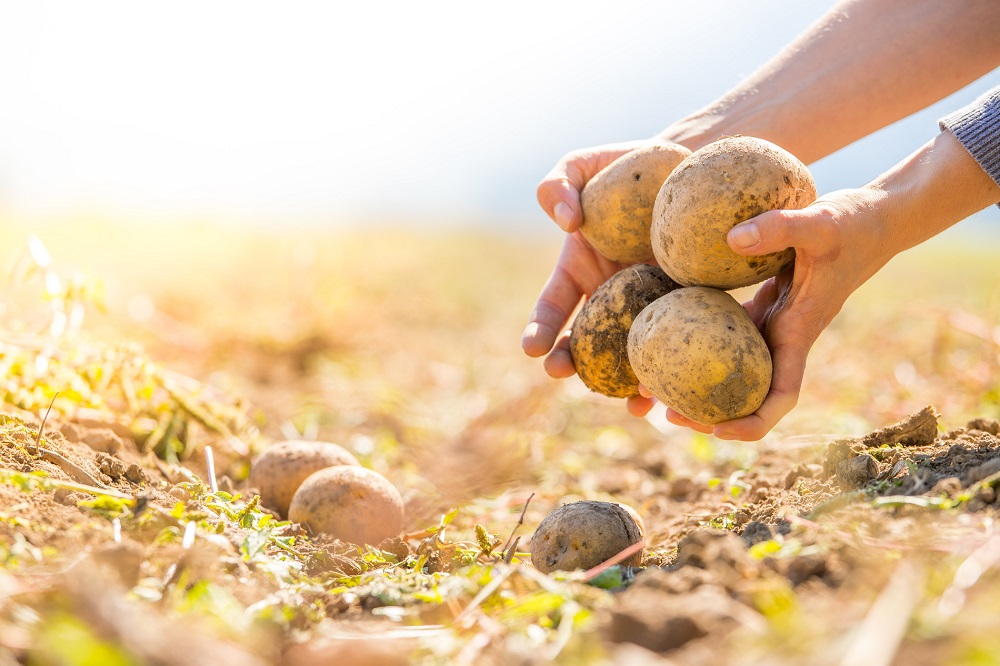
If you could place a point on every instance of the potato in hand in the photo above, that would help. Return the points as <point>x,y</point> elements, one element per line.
<point>599,339</point>
<point>717,187</point>
<point>697,350</point>
<point>618,202</point>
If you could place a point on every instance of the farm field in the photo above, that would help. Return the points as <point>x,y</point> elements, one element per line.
<point>839,539</point>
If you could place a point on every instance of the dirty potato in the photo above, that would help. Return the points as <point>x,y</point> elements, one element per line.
<point>350,503</point>
<point>279,470</point>
<point>697,350</point>
<point>711,191</point>
<point>599,339</point>
<point>582,535</point>
<point>618,202</point>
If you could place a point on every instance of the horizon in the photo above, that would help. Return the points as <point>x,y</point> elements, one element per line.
<point>324,115</point>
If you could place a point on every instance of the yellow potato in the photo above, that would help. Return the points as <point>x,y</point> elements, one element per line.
<point>349,503</point>
<point>711,191</point>
<point>618,202</point>
<point>599,339</point>
<point>279,470</point>
<point>697,350</point>
<point>582,535</point>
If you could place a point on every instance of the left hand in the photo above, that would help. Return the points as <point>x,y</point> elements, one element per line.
<point>580,269</point>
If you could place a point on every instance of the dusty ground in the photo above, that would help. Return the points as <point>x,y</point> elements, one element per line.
<point>838,539</point>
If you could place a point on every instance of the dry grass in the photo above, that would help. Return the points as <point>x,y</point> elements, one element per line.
<point>404,347</point>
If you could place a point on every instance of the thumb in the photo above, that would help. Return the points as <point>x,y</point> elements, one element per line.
<point>559,196</point>
<point>773,231</point>
<point>561,201</point>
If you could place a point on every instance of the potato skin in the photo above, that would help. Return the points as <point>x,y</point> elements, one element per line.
<point>599,339</point>
<point>714,189</point>
<point>581,535</point>
<point>697,350</point>
<point>282,467</point>
<point>349,503</point>
<point>618,202</point>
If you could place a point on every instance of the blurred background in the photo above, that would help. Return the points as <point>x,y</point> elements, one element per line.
<point>230,223</point>
<point>341,114</point>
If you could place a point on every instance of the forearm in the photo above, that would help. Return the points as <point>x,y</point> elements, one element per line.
<point>937,186</point>
<point>862,66</point>
<point>931,190</point>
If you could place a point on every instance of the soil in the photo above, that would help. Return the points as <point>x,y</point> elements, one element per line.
<point>679,604</point>
<point>823,549</point>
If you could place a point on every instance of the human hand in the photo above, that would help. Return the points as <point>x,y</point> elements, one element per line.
<point>837,248</point>
<point>579,270</point>
<point>559,192</point>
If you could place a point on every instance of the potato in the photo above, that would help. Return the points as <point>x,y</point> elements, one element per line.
<point>349,503</point>
<point>583,534</point>
<point>711,191</point>
<point>618,202</point>
<point>279,470</point>
<point>599,339</point>
<point>697,350</point>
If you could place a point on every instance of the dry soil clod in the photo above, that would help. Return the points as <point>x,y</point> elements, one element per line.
<point>919,429</point>
<point>857,471</point>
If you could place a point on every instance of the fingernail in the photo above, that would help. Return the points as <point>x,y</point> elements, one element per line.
<point>530,331</point>
<point>563,213</point>
<point>745,235</point>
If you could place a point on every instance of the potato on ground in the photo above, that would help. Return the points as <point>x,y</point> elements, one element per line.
<point>349,503</point>
<point>697,350</point>
<point>599,339</point>
<point>583,534</point>
<point>711,191</point>
<point>618,202</point>
<point>279,470</point>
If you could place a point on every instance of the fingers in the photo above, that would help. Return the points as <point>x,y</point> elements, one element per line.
<point>769,298</point>
<point>786,382</point>
<point>640,405</point>
<point>778,230</point>
<point>559,196</point>
<point>557,301</point>
<point>555,304</point>
<point>559,192</point>
<point>679,419</point>
<point>578,272</point>
<point>559,363</point>
<point>754,427</point>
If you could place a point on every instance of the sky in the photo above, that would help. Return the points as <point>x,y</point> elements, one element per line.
<point>338,112</point>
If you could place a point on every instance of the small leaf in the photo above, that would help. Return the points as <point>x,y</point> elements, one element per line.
<point>608,579</point>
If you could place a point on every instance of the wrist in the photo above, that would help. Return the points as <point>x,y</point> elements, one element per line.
<point>934,188</point>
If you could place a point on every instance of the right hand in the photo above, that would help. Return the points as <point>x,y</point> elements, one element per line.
<point>579,270</point>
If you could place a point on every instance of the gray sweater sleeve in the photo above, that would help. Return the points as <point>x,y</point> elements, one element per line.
<point>977,127</point>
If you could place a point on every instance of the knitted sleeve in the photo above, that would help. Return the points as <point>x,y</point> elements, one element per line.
<point>977,127</point>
